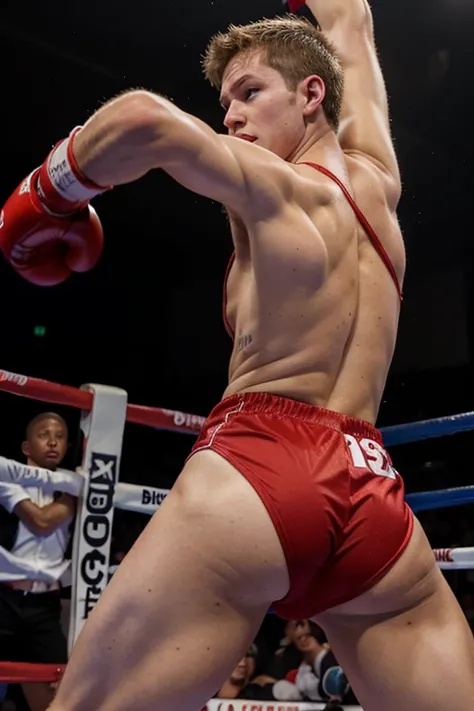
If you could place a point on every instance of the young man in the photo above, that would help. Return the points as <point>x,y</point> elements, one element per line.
<point>30,605</point>
<point>289,496</point>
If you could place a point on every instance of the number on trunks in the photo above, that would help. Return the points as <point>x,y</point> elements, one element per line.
<point>368,454</point>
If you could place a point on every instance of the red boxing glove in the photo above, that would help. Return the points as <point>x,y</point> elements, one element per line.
<point>295,5</point>
<point>47,228</point>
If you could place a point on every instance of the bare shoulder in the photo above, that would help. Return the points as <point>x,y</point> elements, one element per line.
<point>273,184</point>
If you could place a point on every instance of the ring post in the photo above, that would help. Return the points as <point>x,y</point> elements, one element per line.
<point>103,429</point>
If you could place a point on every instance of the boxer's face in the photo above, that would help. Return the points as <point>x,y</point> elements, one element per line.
<point>260,108</point>
<point>47,443</point>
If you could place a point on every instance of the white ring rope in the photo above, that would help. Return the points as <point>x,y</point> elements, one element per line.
<point>128,497</point>
<point>455,558</point>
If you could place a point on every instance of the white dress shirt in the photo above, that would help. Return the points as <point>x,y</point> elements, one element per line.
<point>32,557</point>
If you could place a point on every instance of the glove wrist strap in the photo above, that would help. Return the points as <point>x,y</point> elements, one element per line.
<point>62,187</point>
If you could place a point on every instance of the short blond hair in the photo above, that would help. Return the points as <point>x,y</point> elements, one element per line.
<point>292,46</point>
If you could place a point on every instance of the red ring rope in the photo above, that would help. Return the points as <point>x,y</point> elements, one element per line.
<point>18,672</point>
<point>157,417</point>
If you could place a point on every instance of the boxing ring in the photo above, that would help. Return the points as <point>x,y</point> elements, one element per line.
<point>104,412</point>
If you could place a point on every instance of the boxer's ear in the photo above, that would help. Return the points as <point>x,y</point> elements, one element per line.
<point>314,91</point>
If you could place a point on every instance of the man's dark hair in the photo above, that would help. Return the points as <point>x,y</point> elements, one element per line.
<point>44,416</point>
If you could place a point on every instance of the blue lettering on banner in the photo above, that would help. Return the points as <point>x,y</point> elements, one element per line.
<point>96,529</point>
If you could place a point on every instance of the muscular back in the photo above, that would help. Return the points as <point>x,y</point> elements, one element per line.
<point>313,308</point>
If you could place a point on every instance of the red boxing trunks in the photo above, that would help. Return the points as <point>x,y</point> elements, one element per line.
<point>328,484</point>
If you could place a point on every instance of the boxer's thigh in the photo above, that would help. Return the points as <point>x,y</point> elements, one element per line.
<point>186,602</point>
<point>419,653</point>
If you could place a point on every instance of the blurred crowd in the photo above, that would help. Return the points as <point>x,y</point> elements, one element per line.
<point>299,667</point>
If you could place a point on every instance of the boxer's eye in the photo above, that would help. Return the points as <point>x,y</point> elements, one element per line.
<point>250,93</point>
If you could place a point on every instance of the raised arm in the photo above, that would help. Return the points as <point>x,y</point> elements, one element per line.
<point>365,125</point>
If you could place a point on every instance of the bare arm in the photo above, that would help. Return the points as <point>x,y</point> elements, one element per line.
<point>140,131</point>
<point>365,124</point>
<point>42,521</point>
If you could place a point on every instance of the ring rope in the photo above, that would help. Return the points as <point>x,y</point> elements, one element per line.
<point>146,499</point>
<point>428,429</point>
<point>129,497</point>
<point>18,672</point>
<point>157,417</point>
<point>186,423</point>
<point>440,498</point>
<point>455,558</point>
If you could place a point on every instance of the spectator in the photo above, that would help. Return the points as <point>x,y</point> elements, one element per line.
<point>288,656</point>
<point>303,668</point>
<point>234,687</point>
<point>318,677</point>
<point>30,607</point>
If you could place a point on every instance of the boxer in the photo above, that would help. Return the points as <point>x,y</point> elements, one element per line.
<point>288,497</point>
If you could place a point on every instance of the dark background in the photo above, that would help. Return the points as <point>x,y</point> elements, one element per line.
<point>148,318</point>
